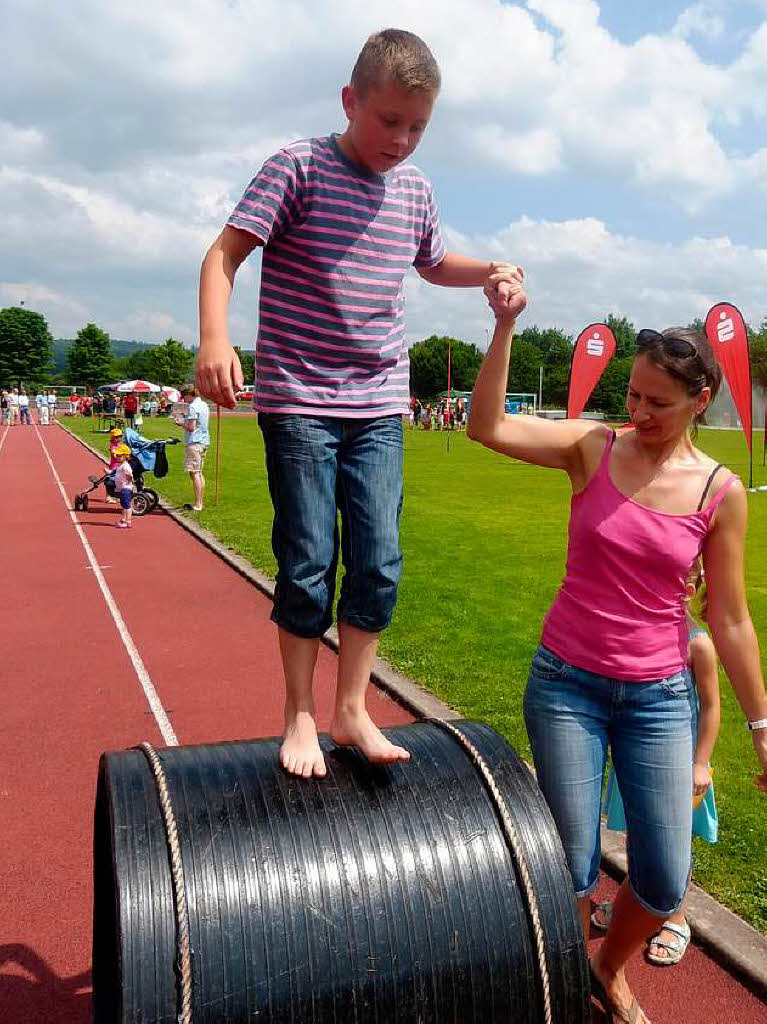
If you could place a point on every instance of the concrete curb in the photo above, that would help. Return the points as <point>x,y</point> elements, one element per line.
<point>733,942</point>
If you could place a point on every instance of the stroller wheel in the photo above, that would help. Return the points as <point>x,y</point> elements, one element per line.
<point>78,503</point>
<point>141,504</point>
<point>84,502</point>
<point>153,498</point>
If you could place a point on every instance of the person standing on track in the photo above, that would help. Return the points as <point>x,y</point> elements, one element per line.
<point>40,401</point>
<point>341,218</point>
<point>611,669</point>
<point>52,406</point>
<point>670,944</point>
<point>24,408</point>
<point>13,407</point>
<point>196,443</point>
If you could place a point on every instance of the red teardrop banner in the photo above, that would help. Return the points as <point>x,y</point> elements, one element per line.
<point>727,335</point>
<point>592,352</point>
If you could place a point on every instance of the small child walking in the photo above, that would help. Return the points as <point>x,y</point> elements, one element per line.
<point>124,485</point>
<point>115,442</point>
<point>669,945</point>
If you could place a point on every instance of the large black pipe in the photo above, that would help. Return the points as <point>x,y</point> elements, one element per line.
<point>377,894</point>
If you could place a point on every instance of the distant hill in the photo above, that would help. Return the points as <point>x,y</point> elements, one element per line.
<point>119,349</point>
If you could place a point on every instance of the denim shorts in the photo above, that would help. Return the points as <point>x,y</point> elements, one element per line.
<point>572,716</point>
<point>317,468</point>
<point>126,497</point>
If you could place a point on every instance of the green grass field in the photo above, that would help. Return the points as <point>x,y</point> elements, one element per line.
<point>484,540</point>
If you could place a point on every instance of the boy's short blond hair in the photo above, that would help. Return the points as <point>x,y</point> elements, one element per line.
<point>400,55</point>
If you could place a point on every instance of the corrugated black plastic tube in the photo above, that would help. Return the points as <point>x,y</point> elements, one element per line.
<point>383,895</point>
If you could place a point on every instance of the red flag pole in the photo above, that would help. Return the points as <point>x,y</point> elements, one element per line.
<point>218,447</point>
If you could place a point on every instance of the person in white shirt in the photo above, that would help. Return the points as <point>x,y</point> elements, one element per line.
<point>52,405</point>
<point>196,442</point>
<point>24,408</point>
<point>124,484</point>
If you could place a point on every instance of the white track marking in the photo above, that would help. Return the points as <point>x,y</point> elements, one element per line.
<point>143,676</point>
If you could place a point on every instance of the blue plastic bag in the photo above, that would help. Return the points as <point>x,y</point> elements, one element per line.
<point>705,821</point>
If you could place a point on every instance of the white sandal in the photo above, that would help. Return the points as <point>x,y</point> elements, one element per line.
<point>676,948</point>
<point>606,910</point>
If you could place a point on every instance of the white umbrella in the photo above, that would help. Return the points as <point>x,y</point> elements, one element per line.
<point>172,394</point>
<point>137,385</point>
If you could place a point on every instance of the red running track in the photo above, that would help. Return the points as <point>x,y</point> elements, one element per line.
<point>202,635</point>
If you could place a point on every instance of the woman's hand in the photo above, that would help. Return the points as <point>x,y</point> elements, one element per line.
<point>701,778</point>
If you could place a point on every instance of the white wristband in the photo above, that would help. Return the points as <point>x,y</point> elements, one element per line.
<point>760,723</point>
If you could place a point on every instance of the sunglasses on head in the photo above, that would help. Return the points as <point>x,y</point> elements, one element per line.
<point>680,348</point>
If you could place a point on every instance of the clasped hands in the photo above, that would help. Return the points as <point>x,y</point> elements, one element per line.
<point>505,292</point>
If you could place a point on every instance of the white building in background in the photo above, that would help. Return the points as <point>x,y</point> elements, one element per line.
<point>724,414</point>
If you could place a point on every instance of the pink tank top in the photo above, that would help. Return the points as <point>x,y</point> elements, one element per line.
<point>620,609</point>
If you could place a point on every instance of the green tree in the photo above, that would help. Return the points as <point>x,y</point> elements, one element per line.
<point>554,345</point>
<point>428,365</point>
<point>89,359</point>
<point>169,363</point>
<point>554,349</point>
<point>609,396</point>
<point>248,363</point>
<point>26,348</point>
<point>625,335</point>
<point>757,344</point>
<point>134,366</point>
<point>524,366</point>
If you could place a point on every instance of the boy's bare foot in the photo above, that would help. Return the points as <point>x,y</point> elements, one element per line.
<point>357,729</point>
<point>300,753</point>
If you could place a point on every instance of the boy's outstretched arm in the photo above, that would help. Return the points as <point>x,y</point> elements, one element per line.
<point>455,271</point>
<point>218,373</point>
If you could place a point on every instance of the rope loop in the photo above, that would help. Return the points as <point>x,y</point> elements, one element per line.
<point>519,856</point>
<point>183,960</point>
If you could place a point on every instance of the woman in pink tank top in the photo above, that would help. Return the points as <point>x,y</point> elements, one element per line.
<point>610,672</point>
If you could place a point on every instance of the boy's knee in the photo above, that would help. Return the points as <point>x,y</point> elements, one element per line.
<point>369,596</point>
<point>303,605</point>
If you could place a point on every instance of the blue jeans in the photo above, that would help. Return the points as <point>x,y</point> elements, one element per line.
<point>571,716</point>
<point>318,467</point>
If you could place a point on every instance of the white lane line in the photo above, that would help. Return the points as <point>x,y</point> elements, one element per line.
<point>151,694</point>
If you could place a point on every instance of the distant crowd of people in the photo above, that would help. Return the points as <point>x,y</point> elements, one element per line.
<point>442,415</point>
<point>16,406</point>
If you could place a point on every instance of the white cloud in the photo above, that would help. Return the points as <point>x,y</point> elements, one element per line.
<point>52,304</point>
<point>530,153</point>
<point>699,20</point>
<point>578,271</point>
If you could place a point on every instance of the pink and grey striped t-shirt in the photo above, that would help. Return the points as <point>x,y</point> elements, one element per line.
<point>338,241</point>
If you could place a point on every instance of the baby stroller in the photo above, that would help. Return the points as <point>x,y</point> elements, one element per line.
<point>146,456</point>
